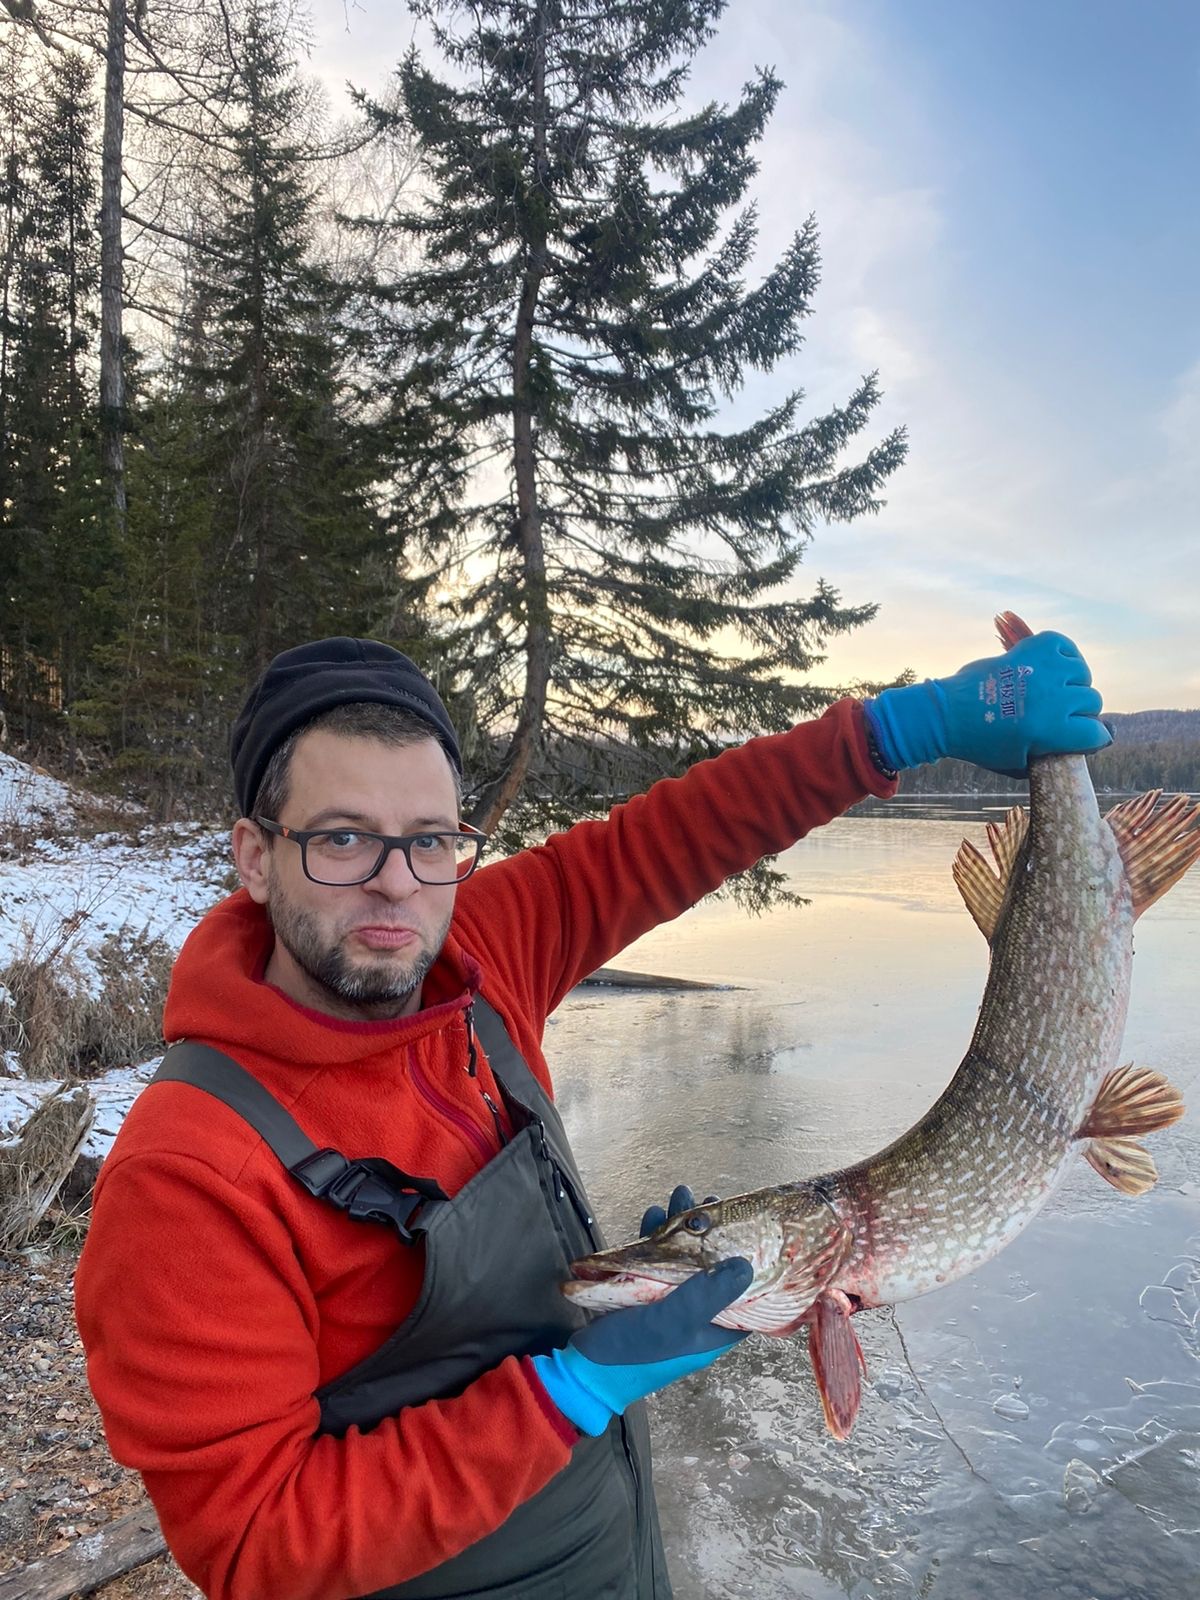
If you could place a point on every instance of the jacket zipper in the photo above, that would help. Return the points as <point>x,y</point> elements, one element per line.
<point>564,1189</point>
<point>501,1138</point>
<point>473,1134</point>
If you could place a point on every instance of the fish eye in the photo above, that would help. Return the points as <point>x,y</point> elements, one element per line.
<point>698,1222</point>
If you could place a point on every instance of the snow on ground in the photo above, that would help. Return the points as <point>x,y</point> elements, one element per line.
<point>28,795</point>
<point>113,1095</point>
<point>65,894</point>
<point>162,885</point>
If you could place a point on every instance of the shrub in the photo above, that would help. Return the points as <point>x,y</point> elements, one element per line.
<point>58,1025</point>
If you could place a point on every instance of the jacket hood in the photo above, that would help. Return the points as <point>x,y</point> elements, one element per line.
<point>218,995</point>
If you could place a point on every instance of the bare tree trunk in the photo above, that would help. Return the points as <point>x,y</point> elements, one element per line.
<point>506,786</point>
<point>112,376</point>
<point>6,271</point>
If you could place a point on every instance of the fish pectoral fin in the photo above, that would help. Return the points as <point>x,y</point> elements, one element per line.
<point>983,889</point>
<point>1132,1100</point>
<point>787,1304</point>
<point>1124,1163</point>
<point>776,1313</point>
<point>837,1361</point>
<point>1157,845</point>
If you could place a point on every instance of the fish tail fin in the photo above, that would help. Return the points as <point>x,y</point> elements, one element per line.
<point>1157,843</point>
<point>1125,1163</point>
<point>837,1361</point>
<point>1012,629</point>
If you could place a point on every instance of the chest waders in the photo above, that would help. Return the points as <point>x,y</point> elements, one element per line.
<point>494,1257</point>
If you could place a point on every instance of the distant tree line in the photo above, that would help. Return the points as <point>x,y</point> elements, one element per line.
<point>1131,765</point>
<point>454,374</point>
<point>1149,727</point>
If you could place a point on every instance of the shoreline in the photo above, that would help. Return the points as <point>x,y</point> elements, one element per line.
<point>620,978</point>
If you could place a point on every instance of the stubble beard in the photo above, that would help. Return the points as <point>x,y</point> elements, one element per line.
<point>369,987</point>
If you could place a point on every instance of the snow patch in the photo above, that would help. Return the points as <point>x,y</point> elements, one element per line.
<point>112,1095</point>
<point>69,900</point>
<point>29,796</point>
<point>62,898</point>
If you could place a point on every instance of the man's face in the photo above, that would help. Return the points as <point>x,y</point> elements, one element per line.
<point>360,950</point>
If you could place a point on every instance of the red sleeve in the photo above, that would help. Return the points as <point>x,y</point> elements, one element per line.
<point>218,1414</point>
<point>550,915</point>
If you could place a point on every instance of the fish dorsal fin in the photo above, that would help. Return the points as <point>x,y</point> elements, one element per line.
<point>982,888</point>
<point>1132,1100</point>
<point>1156,845</point>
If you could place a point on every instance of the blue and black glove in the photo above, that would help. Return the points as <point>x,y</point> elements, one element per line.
<point>625,1355</point>
<point>1034,700</point>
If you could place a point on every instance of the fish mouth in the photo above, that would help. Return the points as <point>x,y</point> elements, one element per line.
<point>589,1272</point>
<point>601,1269</point>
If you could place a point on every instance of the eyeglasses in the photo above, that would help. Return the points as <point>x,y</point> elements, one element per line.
<point>338,857</point>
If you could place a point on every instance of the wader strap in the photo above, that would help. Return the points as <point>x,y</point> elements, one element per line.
<point>506,1061</point>
<point>367,1190</point>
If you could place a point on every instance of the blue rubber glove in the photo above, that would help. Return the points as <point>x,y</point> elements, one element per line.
<point>626,1355</point>
<point>1034,700</point>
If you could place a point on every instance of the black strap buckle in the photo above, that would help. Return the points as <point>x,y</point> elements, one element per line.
<point>369,1190</point>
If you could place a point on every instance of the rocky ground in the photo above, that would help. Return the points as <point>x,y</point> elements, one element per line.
<point>58,1482</point>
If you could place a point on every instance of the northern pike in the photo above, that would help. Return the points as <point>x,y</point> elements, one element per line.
<point>1039,1085</point>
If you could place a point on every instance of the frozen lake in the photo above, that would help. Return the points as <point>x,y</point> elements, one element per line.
<point>1032,1429</point>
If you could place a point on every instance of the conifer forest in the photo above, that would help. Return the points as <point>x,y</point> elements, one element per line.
<point>451,373</point>
<point>454,372</point>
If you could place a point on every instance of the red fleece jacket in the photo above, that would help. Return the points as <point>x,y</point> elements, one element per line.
<point>214,1296</point>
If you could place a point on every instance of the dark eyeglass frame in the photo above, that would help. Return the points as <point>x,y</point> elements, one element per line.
<point>388,842</point>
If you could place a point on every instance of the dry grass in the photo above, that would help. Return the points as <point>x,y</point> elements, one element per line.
<point>33,1169</point>
<point>59,1028</point>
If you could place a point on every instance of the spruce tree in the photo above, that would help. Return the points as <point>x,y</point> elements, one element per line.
<point>297,544</point>
<point>54,534</point>
<point>165,678</point>
<point>558,368</point>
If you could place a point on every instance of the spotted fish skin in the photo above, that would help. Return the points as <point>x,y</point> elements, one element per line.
<point>1039,1085</point>
<point>960,1185</point>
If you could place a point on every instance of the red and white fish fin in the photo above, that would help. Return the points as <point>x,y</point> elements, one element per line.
<point>837,1360</point>
<point>983,889</point>
<point>1157,846</point>
<point>775,1314</point>
<point>1132,1100</point>
<point>1012,629</point>
<point>1124,1163</point>
<point>782,1308</point>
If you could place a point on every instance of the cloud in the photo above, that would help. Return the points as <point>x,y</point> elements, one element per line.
<point>1030,483</point>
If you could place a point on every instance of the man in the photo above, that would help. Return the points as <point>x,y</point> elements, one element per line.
<point>319,1296</point>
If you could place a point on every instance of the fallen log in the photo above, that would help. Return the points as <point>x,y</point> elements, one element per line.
<point>113,1549</point>
<point>34,1167</point>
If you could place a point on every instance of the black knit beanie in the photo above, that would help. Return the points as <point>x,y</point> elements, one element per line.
<point>301,683</point>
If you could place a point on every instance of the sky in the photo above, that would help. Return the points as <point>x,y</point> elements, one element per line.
<point>1008,198</point>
